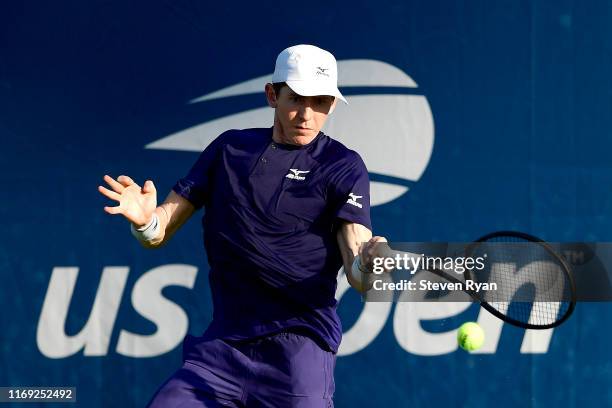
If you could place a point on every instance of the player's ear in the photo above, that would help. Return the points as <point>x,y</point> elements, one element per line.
<point>271,96</point>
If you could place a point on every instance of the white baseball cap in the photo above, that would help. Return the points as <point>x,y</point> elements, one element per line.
<point>308,70</point>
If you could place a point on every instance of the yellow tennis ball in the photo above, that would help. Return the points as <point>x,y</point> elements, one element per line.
<point>470,336</point>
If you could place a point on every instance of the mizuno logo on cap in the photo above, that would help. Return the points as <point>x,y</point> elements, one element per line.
<point>294,174</point>
<point>353,200</point>
<point>321,71</point>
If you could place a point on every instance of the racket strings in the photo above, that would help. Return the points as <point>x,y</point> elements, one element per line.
<point>533,287</point>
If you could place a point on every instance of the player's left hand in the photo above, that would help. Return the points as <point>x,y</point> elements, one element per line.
<point>376,247</point>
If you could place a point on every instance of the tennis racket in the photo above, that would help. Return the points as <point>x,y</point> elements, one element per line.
<point>535,285</point>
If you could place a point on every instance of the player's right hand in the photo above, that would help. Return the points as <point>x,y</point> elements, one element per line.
<point>376,247</point>
<point>135,203</point>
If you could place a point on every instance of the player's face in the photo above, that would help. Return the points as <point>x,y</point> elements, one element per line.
<point>298,119</point>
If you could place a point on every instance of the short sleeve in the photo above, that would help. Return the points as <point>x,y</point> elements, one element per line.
<point>195,185</point>
<point>350,191</point>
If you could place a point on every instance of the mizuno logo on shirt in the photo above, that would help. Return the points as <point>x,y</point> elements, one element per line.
<point>353,200</point>
<point>294,174</point>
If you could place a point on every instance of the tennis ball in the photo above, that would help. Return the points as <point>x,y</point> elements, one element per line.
<point>470,336</point>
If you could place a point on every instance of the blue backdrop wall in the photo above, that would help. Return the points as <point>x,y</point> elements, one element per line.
<point>504,122</point>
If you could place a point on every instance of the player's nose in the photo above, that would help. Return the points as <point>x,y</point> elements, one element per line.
<point>306,112</point>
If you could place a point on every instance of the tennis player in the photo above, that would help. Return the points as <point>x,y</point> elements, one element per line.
<point>285,208</point>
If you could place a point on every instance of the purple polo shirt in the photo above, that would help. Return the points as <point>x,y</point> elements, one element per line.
<point>271,212</point>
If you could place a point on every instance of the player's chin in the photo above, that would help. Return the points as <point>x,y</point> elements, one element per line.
<point>304,136</point>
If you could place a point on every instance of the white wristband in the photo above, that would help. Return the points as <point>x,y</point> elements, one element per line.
<point>147,233</point>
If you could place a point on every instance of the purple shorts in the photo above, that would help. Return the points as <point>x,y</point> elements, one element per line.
<point>281,370</point>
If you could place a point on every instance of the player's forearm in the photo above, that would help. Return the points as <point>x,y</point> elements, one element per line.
<point>172,214</point>
<point>350,237</point>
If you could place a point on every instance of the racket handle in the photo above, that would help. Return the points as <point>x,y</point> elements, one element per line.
<point>357,269</point>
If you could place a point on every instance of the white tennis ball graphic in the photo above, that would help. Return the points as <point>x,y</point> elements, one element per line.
<point>393,133</point>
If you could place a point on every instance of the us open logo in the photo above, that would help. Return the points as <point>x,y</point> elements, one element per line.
<point>394,134</point>
<point>387,122</point>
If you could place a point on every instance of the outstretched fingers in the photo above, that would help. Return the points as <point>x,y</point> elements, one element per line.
<point>115,185</point>
<point>126,181</point>
<point>113,210</point>
<point>110,194</point>
<point>148,187</point>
